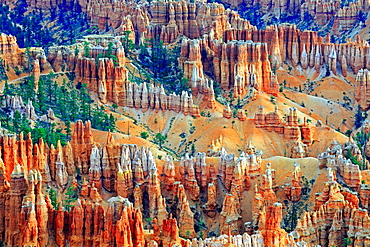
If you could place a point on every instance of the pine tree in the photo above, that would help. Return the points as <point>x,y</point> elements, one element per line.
<point>7,90</point>
<point>85,103</point>
<point>38,132</point>
<point>360,116</point>
<point>17,122</point>
<point>193,150</point>
<point>25,125</point>
<point>53,198</point>
<point>61,99</point>
<point>144,135</point>
<point>159,139</point>
<point>109,51</point>
<point>68,129</point>
<point>163,65</point>
<point>127,43</point>
<point>71,197</point>
<point>29,92</point>
<point>3,76</point>
<point>74,104</point>
<point>41,96</point>
<point>112,122</point>
<point>77,50</point>
<point>87,49</point>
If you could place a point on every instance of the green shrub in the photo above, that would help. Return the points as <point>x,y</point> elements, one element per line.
<point>144,135</point>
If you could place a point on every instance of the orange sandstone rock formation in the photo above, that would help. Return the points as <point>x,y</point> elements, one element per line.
<point>291,129</point>
<point>270,228</point>
<point>166,20</point>
<point>82,145</point>
<point>306,48</point>
<point>99,219</point>
<point>333,158</point>
<point>294,189</point>
<point>362,83</point>
<point>336,214</point>
<point>237,65</point>
<point>109,79</point>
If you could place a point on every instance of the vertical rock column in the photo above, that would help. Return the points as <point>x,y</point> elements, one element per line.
<point>82,142</point>
<point>17,191</point>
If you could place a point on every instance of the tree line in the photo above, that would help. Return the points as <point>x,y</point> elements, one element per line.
<point>156,63</point>
<point>69,103</point>
<point>34,28</point>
